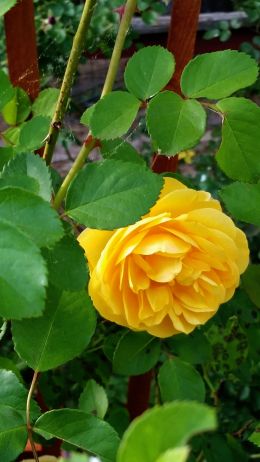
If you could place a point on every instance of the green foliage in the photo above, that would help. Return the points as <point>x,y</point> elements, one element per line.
<point>128,192</point>
<point>178,380</point>
<point>80,429</point>
<point>6,5</point>
<point>93,399</point>
<point>45,103</point>
<point>13,434</point>
<point>143,75</point>
<point>7,92</point>
<point>239,150</point>
<point>113,115</point>
<point>187,419</point>
<point>219,74</point>
<point>174,455</point>
<point>175,124</point>
<point>251,280</point>
<point>135,353</point>
<point>33,133</point>
<point>118,149</point>
<point>60,334</point>
<point>18,109</point>
<point>242,200</point>
<point>255,437</point>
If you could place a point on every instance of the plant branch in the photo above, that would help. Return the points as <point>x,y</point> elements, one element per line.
<point>90,142</point>
<point>76,50</point>
<point>28,420</point>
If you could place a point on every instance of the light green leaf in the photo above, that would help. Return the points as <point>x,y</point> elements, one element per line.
<point>31,215</point>
<point>238,155</point>
<point>33,133</point>
<point>175,124</point>
<point>61,334</point>
<point>93,399</point>
<point>179,380</point>
<point>28,166</point>
<point>86,116</point>
<point>18,109</point>
<point>7,91</point>
<point>218,74</point>
<point>11,135</point>
<point>46,102</point>
<point>242,201</point>
<point>255,436</point>
<point>22,267</point>
<point>13,434</point>
<point>13,395</point>
<point>136,353</point>
<point>112,194</point>
<point>5,6</point>
<point>251,283</point>
<point>174,455</point>
<point>163,428</point>
<point>80,429</point>
<point>148,71</point>
<point>113,115</point>
<point>67,265</point>
<point>119,149</point>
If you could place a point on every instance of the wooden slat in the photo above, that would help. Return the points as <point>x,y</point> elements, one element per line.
<point>21,47</point>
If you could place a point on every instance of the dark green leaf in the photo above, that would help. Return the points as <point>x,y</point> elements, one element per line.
<point>112,194</point>
<point>238,155</point>
<point>113,115</point>
<point>22,275</point>
<point>136,353</point>
<point>175,124</point>
<point>33,133</point>
<point>255,436</point>
<point>30,214</point>
<point>7,91</point>
<point>218,74</point>
<point>119,149</point>
<point>13,434</point>
<point>82,430</point>
<point>61,334</point>
<point>193,348</point>
<point>163,428</point>
<point>93,399</point>
<point>67,265</point>
<point>6,154</point>
<point>178,380</point>
<point>18,109</point>
<point>251,283</point>
<point>28,166</point>
<point>46,102</point>
<point>148,71</point>
<point>242,201</point>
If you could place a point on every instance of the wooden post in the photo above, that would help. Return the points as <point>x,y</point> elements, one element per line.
<point>181,42</point>
<point>21,47</point>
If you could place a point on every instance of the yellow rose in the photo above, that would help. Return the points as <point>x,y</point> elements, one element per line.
<point>170,271</point>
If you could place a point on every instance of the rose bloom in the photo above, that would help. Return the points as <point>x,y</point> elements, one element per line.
<point>170,271</point>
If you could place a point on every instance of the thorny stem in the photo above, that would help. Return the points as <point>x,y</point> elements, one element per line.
<point>90,142</point>
<point>76,50</point>
<point>28,420</point>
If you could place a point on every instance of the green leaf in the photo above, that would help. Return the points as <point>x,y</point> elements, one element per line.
<point>11,135</point>
<point>13,395</point>
<point>174,455</point>
<point>6,154</point>
<point>13,434</point>
<point>148,71</point>
<point>218,74</point>
<point>45,103</point>
<point>67,265</point>
<point>61,334</point>
<point>255,436</point>
<point>119,149</point>
<point>8,365</point>
<point>80,429</point>
<point>112,194</point>
<point>18,109</point>
<point>251,283</point>
<point>28,166</point>
<point>238,155</point>
<point>136,353</point>
<point>86,116</point>
<point>163,428</point>
<point>30,214</point>
<point>93,399</point>
<point>22,267</point>
<point>113,115</point>
<point>175,124</point>
<point>7,91</point>
<point>193,348</point>
<point>33,133</point>
<point>5,6</point>
<point>242,201</point>
<point>178,380</point>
